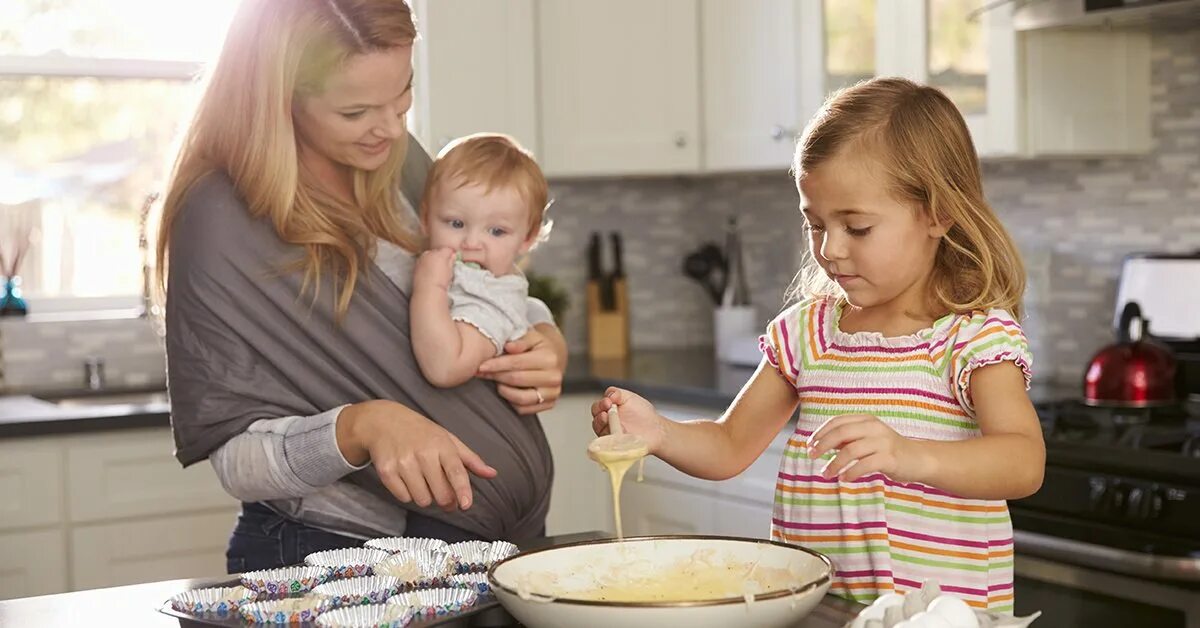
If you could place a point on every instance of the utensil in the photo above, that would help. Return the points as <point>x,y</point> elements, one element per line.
<point>707,266</point>
<point>1134,373</point>
<point>549,587</point>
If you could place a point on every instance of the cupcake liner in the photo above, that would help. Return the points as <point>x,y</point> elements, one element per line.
<point>347,563</point>
<point>219,602</point>
<point>436,602</point>
<point>393,544</point>
<point>417,569</point>
<point>474,556</point>
<point>274,584</point>
<point>358,591</point>
<point>294,610</point>
<point>373,616</point>
<point>476,582</point>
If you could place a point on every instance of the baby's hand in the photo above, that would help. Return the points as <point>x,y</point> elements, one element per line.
<point>435,269</point>
<point>637,416</point>
<point>865,445</point>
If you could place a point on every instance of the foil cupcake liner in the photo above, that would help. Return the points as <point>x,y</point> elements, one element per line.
<point>476,582</point>
<point>358,591</point>
<point>274,584</point>
<point>436,602</point>
<point>474,556</point>
<point>352,562</point>
<point>373,616</point>
<point>417,569</point>
<point>220,602</point>
<point>296,610</point>
<point>393,544</point>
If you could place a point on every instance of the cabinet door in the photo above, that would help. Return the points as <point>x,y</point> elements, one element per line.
<point>31,481</point>
<point>148,550</point>
<point>35,563</point>
<point>132,473</point>
<point>580,499</point>
<point>736,518</point>
<point>651,509</point>
<point>476,71</point>
<point>751,110</point>
<point>619,86</point>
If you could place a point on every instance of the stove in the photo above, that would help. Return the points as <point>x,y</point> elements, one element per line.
<point>1113,536</point>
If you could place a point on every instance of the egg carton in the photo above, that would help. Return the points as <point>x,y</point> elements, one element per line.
<point>930,608</point>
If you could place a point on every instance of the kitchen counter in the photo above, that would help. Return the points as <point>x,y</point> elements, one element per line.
<point>28,415</point>
<point>137,605</point>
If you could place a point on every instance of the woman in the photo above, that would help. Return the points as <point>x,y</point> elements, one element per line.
<point>288,256</point>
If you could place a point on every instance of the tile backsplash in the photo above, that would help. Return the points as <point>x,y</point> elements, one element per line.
<point>1073,218</point>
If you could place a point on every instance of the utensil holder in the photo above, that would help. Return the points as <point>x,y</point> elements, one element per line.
<point>735,334</point>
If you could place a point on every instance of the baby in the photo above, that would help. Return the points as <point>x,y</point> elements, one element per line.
<point>482,210</point>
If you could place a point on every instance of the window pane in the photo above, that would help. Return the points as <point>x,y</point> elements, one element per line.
<point>849,42</point>
<point>77,158</point>
<point>176,30</point>
<point>958,53</point>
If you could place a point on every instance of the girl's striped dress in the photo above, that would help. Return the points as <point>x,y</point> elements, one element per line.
<point>883,535</point>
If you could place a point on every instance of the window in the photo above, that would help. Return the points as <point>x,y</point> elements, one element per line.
<point>849,42</point>
<point>92,93</point>
<point>958,61</point>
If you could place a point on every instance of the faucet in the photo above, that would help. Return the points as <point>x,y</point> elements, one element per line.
<point>149,307</point>
<point>93,373</point>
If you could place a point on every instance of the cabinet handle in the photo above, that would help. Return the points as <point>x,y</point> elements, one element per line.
<point>680,140</point>
<point>779,132</point>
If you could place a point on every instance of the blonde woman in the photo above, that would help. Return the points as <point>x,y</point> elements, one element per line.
<point>904,355</point>
<point>287,249</point>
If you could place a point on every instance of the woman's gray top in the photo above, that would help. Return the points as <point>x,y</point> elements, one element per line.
<point>258,374</point>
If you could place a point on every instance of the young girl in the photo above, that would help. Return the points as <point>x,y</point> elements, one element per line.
<point>904,355</point>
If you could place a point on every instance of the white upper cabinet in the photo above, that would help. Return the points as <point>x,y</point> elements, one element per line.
<point>751,61</point>
<point>619,86</point>
<point>476,71</point>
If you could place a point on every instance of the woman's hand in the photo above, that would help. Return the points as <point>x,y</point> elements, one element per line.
<point>529,374</point>
<point>866,445</point>
<point>417,459</point>
<point>637,417</point>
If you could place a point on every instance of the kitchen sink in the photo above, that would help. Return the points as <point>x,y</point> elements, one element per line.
<point>109,398</point>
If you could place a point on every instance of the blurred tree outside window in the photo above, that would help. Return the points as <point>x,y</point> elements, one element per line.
<point>958,53</point>
<point>849,42</point>
<point>92,93</point>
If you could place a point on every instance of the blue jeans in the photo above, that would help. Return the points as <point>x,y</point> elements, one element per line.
<point>263,539</point>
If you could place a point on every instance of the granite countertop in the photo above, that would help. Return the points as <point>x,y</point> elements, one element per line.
<point>137,605</point>
<point>685,376</point>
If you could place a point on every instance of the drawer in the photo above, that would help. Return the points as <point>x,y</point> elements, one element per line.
<point>164,548</point>
<point>35,563</point>
<point>134,474</point>
<point>31,482</point>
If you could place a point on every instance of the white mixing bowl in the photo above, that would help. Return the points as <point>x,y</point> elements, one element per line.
<point>575,567</point>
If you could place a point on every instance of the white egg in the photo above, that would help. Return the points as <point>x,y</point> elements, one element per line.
<point>954,611</point>
<point>930,620</point>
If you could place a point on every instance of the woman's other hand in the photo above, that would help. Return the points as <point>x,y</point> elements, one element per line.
<point>529,374</point>
<point>417,459</point>
<point>637,416</point>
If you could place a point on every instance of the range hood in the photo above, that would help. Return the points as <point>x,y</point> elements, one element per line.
<point>1035,14</point>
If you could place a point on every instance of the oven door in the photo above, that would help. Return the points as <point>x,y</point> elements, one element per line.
<point>1093,586</point>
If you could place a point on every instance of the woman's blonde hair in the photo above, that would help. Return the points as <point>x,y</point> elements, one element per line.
<point>492,160</point>
<point>274,52</point>
<point>921,140</point>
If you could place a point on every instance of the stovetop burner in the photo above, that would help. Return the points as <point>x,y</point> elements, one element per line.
<point>1169,429</point>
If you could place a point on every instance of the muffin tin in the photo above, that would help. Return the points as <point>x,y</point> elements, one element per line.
<point>302,594</point>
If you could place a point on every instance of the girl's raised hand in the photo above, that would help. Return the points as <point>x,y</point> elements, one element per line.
<point>638,416</point>
<point>865,445</point>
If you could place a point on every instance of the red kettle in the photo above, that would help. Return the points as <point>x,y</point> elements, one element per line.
<point>1134,373</point>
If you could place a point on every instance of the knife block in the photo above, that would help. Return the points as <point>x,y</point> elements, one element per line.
<point>608,331</point>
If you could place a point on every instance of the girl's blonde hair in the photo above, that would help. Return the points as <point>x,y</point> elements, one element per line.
<point>922,142</point>
<point>275,52</point>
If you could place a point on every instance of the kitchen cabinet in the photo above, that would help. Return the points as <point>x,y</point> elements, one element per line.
<point>1024,94</point>
<point>619,87</point>
<point>105,509</point>
<point>751,83</point>
<point>580,499</point>
<point>475,71</point>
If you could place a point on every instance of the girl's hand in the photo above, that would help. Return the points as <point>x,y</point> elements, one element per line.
<point>528,375</point>
<point>637,416</point>
<point>417,459</point>
<point>434,269</point>
<point>865,445</point>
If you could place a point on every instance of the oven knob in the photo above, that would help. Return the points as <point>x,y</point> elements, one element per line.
<point>1097,495</point>
<point>1156,503</point>
<point>1118,497</point>
<point>1139,503</point>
